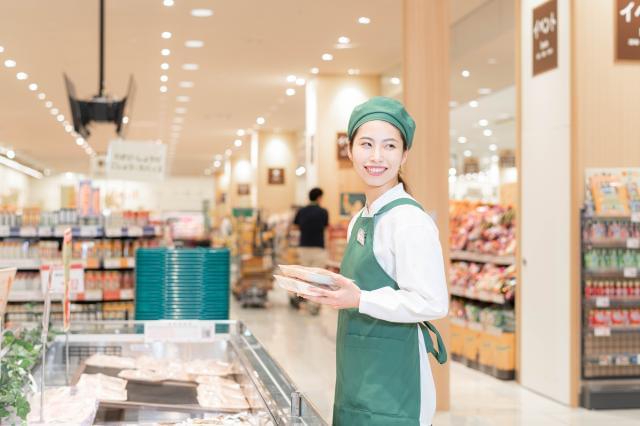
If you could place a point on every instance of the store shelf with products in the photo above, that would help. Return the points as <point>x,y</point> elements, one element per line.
<point>482,279</point>
<point>610,312</point>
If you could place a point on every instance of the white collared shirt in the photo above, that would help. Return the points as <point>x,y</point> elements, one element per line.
<point>407,247</point>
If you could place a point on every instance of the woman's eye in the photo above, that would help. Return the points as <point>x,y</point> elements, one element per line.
<point>366,144</point>
<point>391,147</point>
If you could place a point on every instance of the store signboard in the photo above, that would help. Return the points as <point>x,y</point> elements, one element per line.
<point>136,160</point>
<point>545,37</point>
<point>76,278</point>
<point>627,30</point>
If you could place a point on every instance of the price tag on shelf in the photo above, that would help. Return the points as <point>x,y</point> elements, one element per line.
<point>602,331</point>
<point>633,243</point>
<point>113,232</point>
<point>5,231</point>
<point>28,231</point>
<point>89,231</point>
<point>179,331</point>
<point>45,231</point>
<point>631,272</point>
<point>134,231</point>
<point>602,302</point>
<point>635,217</point>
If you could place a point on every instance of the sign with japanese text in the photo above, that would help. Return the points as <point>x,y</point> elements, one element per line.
<point>136,160</point>
<point>545,37</point>
<point>628,30</point>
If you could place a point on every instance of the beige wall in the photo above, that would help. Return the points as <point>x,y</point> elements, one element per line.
<point>241,173</point>
<point>276,150</point>
<point>336,97</point>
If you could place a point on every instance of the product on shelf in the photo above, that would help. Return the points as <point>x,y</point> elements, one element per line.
<point>615,231</point>
<point>482,228</point>
<point>612,288</point>
<point>608,260</point>
<point>487,282</point>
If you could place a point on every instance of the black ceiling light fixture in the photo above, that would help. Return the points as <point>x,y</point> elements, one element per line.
<point>101,107</point>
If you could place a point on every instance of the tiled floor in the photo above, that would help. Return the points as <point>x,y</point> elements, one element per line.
<point>304,346</point>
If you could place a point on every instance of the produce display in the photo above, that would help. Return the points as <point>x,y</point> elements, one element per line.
<point>486,316</point>
<point>482,228</point>
<point>486,282</point>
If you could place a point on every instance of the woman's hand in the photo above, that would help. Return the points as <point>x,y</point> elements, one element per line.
<point>345,297</point>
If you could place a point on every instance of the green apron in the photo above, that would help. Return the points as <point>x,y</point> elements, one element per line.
<point>377,362</point>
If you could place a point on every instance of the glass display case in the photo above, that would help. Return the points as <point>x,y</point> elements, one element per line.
<point>272,398</point>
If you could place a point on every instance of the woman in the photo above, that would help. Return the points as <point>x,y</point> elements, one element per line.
<point>392,283</point>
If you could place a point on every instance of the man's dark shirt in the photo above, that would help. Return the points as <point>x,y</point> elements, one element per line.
<point>312,220</point>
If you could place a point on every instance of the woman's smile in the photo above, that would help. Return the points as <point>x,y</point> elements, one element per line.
<point>376,170</point>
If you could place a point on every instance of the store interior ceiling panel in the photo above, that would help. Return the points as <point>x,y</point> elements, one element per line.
<point>249,48</point>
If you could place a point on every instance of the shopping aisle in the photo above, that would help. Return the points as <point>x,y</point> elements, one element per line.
<point>304,346</point>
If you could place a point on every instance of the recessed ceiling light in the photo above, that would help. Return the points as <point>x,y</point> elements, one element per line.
<point>168,3</point>
<point>125,119</point>
<point>201,13</point>
<point>22,76</point>
<point>163,89</point>
<point>493,147</point>
<point>300,82</point>
<point>240,132</point>
<point>194,44</point>
<point>164,78</point>
<point>48,104</point>
<point>11,154</point>
<point>467,153</point>
<point>364,20</point>
<point>487,132</point>
<point>166,35</point>
<point>473,104</point>
<point>465,73</point>
<point>228,152</point>
<point>181,110</point>
<point>42,96</point>
<point>484,91</point>
<point>165,52</point>
<point>353,71</point>
<point>327,57</point>
<point>164,66</point>
<point>291,78</point>
<point>190,67</point>
<point>238,143</point>
<point>183,98</point>
<point>10,63</point>
<point>290,92</point>
<point>60,118</point>
<point>186,84</point>
<point>54,111</point>
<point>395,81</point>
<point>79,141</point>
<point>483,122</point>
<point>217,163</point>
<point>315,70</point>
<point>1,49</point>
<point>33,87</point>
<point>462,140</point>
<point>452,171</point>
<point>68,128</point>
<point>260,120</point>
<point>344,40</point>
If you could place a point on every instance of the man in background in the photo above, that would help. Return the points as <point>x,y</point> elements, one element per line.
<point>312,221</point>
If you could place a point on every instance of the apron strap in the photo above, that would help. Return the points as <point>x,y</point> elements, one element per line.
<point>441,353</point>
<point>396,203</point>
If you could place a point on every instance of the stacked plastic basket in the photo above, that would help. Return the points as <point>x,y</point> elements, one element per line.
<point>182,284</point>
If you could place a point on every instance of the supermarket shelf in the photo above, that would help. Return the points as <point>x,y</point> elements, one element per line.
<point>606,301</point>
<point>612,275</point>
<point>635,217</point>
<point>21,264</point>
<point>630,243</point>
<point>482,258</point>
<point>26,296</point>
<point>611,395</point>
<point>608,331</point>
<point>84,231</point>
<point>482,296</point>
<point>88,264</point>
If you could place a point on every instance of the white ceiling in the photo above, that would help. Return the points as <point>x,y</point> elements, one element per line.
<point>250,46</point>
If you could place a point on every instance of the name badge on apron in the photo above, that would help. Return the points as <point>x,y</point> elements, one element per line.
<point>361,236</point>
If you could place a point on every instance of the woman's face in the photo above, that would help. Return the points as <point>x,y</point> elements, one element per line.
<point>377,153</point>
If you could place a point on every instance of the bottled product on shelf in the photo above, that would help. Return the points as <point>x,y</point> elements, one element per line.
<point>610,295</point>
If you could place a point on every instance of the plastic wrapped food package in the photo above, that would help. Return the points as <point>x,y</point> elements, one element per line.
<point>104,388</point>
<point>143,375</point>
<point>63,406</point>
<point>111,361</point>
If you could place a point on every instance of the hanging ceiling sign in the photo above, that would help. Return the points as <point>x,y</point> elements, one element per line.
<point>136,160</point>
<point>545,37</point>
<point>628,30</point>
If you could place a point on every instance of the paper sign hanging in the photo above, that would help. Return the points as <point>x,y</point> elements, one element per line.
<point>136,160</point>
